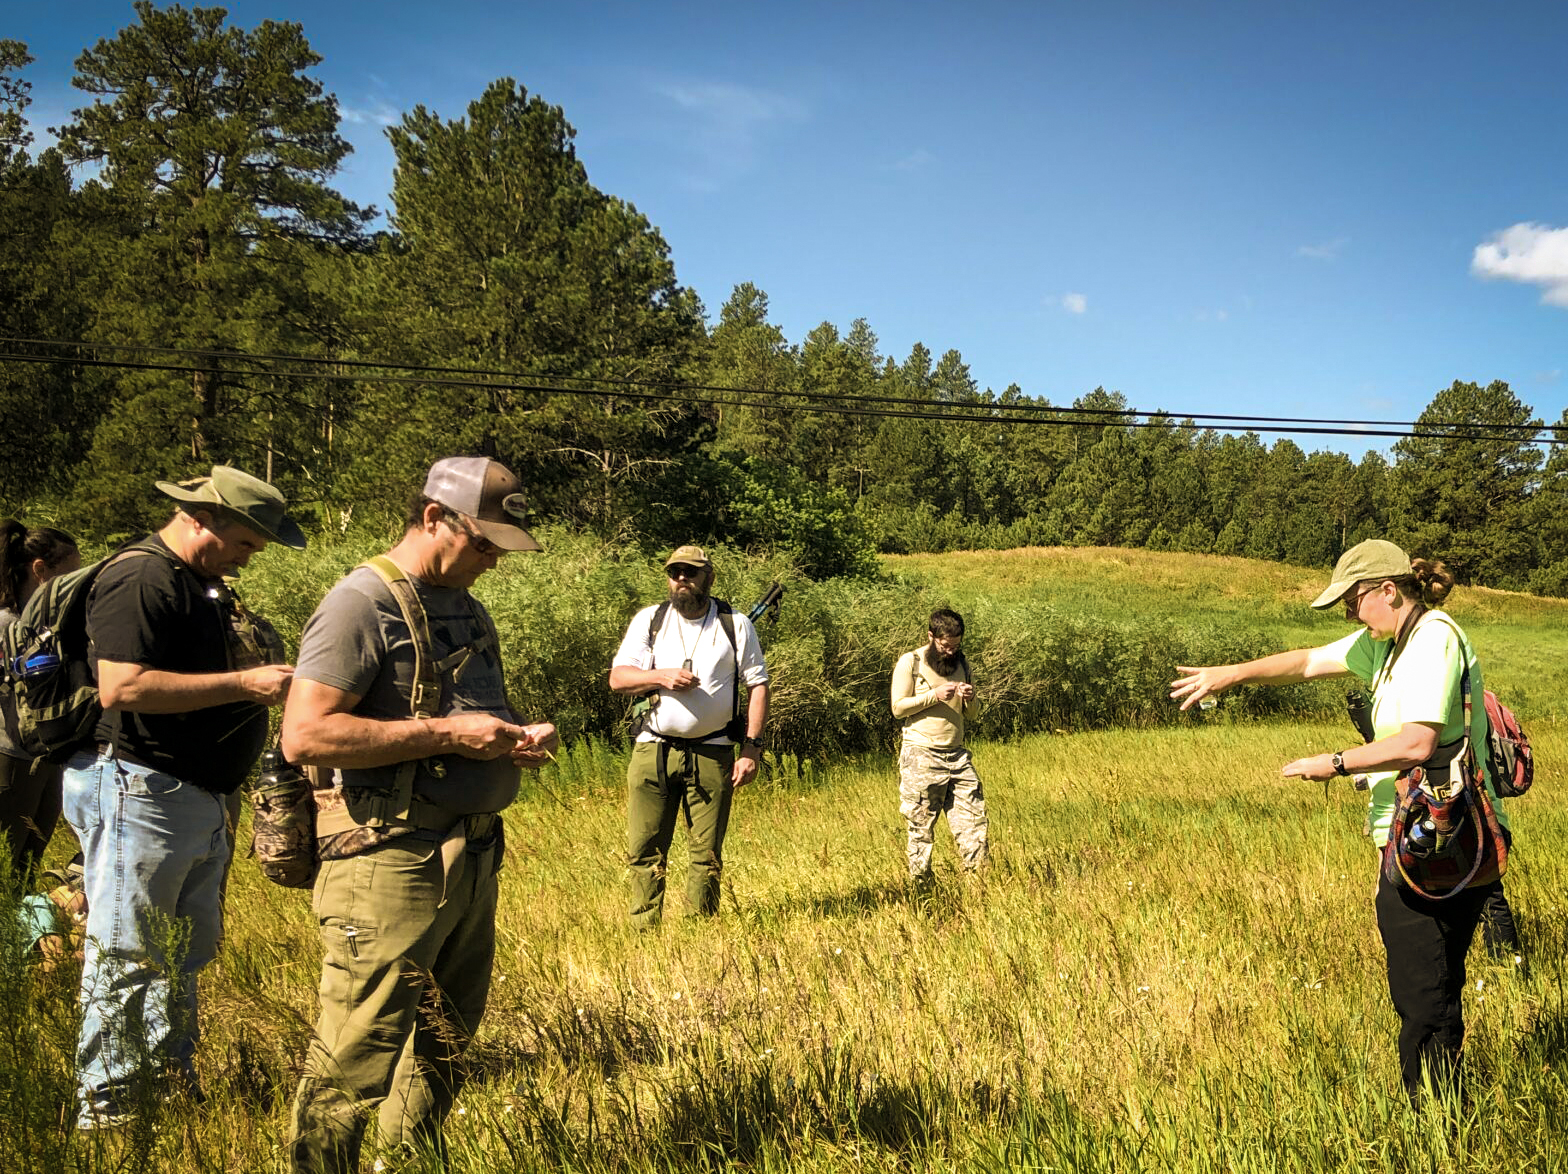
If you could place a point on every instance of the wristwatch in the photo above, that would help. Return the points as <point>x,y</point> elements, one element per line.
<point>749,741</point>
<point>1338,759</point>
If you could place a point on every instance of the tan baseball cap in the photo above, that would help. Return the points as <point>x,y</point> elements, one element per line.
<point>691,556</point>
<point>489,493</point>
<point>248,500</point>
<point>1372,559</point>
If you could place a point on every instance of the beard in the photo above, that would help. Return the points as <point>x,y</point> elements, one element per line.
<point>942,663</point>
<point>690,602</point>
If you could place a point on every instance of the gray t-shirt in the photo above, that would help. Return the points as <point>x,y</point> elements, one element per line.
<point>357,641</point>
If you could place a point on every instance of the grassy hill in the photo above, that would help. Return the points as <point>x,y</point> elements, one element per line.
<point>1171,965</point>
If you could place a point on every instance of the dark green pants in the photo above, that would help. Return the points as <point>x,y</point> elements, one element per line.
<point>697,791</point>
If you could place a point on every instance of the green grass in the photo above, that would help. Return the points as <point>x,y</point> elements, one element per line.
<point>1172,965</point>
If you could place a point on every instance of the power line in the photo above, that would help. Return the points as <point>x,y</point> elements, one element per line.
<point>979,412</point>
<point>1357,426</point>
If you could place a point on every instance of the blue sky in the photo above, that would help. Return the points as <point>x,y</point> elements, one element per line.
<point>1300,209</point>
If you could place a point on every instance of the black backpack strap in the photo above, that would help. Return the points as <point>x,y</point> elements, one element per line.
<point>655,622</point>
<point>727,622</point>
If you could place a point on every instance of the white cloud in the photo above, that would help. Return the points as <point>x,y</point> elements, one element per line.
<point>1532,253</point>
<point>378,114</point>
<point>915,160</point>
<point>1219,315</point>
<point>1326,251</point>
<point>1075,303</point>
<point>724,123</point>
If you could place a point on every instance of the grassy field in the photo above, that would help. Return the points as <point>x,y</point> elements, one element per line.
<point>1522,639</point>
<point>1171,965</point>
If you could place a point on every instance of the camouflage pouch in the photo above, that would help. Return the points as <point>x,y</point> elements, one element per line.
<point>283,822</point>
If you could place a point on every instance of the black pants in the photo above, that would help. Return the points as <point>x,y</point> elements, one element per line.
<point>1426,942</point>
<point>1498,930</point>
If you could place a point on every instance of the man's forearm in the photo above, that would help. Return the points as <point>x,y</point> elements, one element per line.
<point>756,711</point>
<point>625,678</point>
<point>157,691</point>
<point>358,743</point>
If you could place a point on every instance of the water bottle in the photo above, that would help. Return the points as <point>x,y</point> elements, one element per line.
<point>35,665</point>
<point>278,775</point>
<point>1421,838</point>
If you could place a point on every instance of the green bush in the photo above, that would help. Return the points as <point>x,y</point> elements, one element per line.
<point>562,615</point>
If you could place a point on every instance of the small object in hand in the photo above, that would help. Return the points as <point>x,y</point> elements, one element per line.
<point>686,664</point>
<point>1360,782</point>
<point>1208,703</point>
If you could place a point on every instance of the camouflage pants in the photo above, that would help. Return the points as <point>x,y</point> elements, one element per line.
<point>931,782</point>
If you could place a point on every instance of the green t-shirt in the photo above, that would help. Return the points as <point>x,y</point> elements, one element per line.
<point>1422,686</point>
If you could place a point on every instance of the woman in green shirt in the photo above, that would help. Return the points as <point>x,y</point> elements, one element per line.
<point>1413,658</point>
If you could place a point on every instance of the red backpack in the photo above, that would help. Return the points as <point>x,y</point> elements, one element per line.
<point>1508,756</point>
<point>1507,750</point>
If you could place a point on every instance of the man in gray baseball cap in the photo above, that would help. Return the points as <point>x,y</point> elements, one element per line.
<point>400,695</point>
<point>488,494</point>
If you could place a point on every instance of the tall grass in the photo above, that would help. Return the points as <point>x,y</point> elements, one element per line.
<point>1172,965</point>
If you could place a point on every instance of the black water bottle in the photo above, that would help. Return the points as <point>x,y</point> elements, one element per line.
<point>1421,838</point>
<point>279,775</point>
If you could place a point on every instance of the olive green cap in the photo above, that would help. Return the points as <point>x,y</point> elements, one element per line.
<point>248,500</point>
<point>1372,559</point>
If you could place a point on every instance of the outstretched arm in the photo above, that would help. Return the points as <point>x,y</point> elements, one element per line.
<point>1283,668</point>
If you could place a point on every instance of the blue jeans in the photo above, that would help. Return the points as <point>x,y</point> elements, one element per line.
<point>155,851</point>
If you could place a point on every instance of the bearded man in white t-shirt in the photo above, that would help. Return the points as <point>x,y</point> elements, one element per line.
<point>686,660</point>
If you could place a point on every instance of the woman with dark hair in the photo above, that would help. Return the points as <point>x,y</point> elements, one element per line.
<point>29,787</point>
<point>1413,657</point>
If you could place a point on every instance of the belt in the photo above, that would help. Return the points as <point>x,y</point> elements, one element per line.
<point>690,748</point>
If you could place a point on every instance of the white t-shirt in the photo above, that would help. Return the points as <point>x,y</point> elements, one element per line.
<point>705,709</point>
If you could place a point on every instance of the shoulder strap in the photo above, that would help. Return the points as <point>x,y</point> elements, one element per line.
<point>655,622</point>
<point>425,694</point>
<point>727,622</point>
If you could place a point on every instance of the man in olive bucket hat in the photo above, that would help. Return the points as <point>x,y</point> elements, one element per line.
<point>185,686</point>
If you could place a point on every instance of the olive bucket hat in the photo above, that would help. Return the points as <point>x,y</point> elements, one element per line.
<point>1372,559</point>
<point>248,500</point>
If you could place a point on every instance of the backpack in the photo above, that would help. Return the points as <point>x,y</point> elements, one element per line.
<point>293,808</point>
<point>1509,758</point>
<point>642,708</point>
<point>51,696</point>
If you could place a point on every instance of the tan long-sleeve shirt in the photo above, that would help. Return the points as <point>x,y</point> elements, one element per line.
<point>928,721</point>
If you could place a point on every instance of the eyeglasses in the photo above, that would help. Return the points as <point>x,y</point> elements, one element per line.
<point>481,544</point>
<point>1353,602</point>
<point>682,571</point>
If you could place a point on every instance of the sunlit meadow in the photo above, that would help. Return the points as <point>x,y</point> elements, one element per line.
<point>1171,964</point>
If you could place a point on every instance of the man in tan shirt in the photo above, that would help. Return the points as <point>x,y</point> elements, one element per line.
<point>932,696</point>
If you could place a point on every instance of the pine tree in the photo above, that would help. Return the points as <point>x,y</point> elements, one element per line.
<point>213,147</point>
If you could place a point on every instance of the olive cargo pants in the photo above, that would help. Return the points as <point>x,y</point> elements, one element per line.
<point>696,787</point>
<point>404,983</point>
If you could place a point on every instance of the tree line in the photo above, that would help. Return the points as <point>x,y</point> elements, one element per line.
<point>185,222</point>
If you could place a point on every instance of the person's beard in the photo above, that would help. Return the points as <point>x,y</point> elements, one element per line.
<point>941,662</point>
<point>690,602</point>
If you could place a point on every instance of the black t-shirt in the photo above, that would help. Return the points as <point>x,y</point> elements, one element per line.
<point>153,610</point>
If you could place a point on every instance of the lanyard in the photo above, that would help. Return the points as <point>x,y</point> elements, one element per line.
<point>680,634</point>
